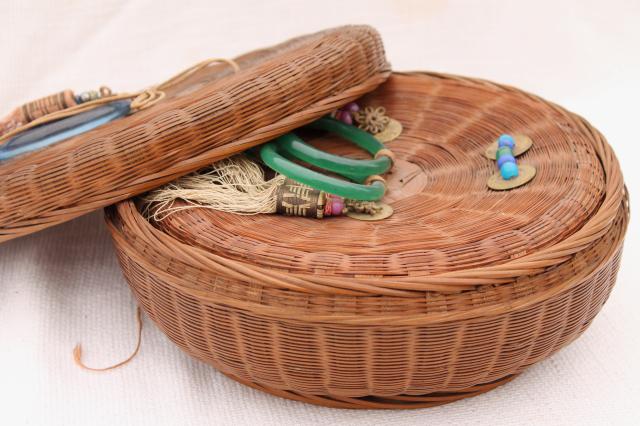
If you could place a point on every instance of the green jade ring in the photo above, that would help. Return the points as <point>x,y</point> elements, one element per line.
<point>278,153</point>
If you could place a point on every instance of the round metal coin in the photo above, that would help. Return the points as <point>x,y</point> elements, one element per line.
<point>391,132</point>
<point>525,174</point>
<point>523,143</point>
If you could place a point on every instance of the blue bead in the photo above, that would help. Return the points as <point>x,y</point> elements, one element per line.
<point>505,150</point>
<point>506,140</point>
<point>506,159</point>
<point>509,170</point>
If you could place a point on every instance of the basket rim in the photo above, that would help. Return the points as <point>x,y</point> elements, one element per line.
<point>352,319</point>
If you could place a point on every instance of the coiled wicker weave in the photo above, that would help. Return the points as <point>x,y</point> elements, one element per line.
<point>459,291</point>
<point>200,121</point>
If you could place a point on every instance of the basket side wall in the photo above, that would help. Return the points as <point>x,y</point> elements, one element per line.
<point>357,361</point>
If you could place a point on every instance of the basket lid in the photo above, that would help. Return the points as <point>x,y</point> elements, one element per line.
<point>449,231</point>
<point>212,113</point>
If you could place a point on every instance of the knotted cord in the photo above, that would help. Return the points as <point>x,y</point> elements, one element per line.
<point>140,100</point>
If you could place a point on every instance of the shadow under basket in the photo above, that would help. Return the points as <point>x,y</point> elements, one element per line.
<point>459,291</point>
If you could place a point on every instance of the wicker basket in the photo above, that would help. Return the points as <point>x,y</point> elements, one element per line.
<point>459,291</point>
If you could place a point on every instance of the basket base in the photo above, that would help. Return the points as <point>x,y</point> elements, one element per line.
<point>378,403</point>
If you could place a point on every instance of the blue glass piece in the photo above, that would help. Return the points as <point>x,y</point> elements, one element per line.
<point>65,128</point>
<point>506,140</point>
<point>509,171</point>
<point>506,159</point>
<point>505,150</point>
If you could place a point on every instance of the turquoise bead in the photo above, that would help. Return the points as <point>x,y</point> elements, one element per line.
<point>505,150</point>
<point>508,158</point>
<point>509,170</point>
<point>506,140</point>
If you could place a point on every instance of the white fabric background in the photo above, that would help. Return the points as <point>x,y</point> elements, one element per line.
<point>63,285</point>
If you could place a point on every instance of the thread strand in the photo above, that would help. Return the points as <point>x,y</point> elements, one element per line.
<point>77,351</point>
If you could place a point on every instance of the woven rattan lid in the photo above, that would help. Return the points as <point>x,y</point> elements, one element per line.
<point>447,223</point>
<point>199,121</point>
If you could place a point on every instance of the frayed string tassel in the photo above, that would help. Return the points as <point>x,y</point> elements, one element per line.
<point>236,184</point>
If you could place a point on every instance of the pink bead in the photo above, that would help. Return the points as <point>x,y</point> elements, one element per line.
<point>351,107</point>
<point>345,117</point>
<point>336,207</point>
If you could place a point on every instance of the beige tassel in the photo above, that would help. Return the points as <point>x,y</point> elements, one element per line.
<point>236,184</point>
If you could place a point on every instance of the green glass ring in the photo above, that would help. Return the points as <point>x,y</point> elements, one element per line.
<point>271,156</point>
<point>356,170</point>
<point>277,155</point>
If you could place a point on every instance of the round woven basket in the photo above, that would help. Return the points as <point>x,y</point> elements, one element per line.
<point>459,291</point>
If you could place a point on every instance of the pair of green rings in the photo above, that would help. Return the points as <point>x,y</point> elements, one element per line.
<point>366,185</point>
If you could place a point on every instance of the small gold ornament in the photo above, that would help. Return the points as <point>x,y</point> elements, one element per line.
<point>369,211</point>
<point>391,132</point>
<point>525,174</point>
<point>372,120</point>
<point>522,145</point>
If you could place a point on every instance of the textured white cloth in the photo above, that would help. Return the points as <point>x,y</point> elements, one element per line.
<point>63,285</point>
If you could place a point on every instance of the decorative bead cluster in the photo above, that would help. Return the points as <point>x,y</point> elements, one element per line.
<point>366,207</point>
<point>337,206</point>
<point>92,95</point>
<point>373,120</point>
<point>505,158</point>
<point>345,114</point>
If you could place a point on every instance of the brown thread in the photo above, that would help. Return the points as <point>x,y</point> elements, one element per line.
<point>150,96</point>
<point>77,351</point>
